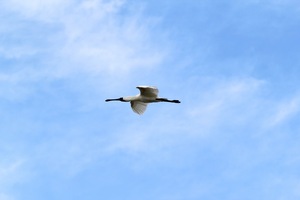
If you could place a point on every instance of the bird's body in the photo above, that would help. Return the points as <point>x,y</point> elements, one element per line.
<point>148,94</point>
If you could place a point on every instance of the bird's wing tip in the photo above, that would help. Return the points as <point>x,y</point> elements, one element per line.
<point>138,107</point>
<point>146,86</point>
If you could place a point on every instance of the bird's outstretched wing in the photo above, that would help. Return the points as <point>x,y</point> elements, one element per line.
<point>138,107</point>
<point>148,91</point>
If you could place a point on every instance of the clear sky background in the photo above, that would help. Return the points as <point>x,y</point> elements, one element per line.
<point>234,64</point>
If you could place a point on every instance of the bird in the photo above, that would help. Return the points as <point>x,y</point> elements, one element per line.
<point>148,94</point>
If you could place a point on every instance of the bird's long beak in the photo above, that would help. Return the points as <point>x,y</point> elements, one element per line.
<point>111,100</point>
<point>118,99</point>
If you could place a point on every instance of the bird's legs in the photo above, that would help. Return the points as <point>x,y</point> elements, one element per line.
<point>167,100</point>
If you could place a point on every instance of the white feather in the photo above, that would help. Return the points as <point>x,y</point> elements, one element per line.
<point>138,107</point>
<point>148,91</point>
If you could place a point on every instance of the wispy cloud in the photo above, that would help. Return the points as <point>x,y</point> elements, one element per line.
<point>271,3</point>
<point>8,172</point>
<point>224,100</point>
<point>37,9</point>
<point>11,173</point>
<point>5,197</point>
<point>92,38</point>
<point>199,117</point>
<point>63,57</point>
<point>284,111</point>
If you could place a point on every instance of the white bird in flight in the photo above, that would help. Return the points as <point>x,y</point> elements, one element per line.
<point>139,102</point>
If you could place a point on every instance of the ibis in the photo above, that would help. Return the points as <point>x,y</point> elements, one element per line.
<point>148,94</point>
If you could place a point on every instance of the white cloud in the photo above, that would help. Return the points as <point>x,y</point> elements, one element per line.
<point>201,116</point>
<point>4,196</point>
<point>232,104</point>
<point>72,152</point>
<point>225,102</point>
<point>284,111</point>
<point>92,38</point>
<point>109,43</point>
<point>272,3</point>
<point>17,52</point>
<point>11,173</point>
<point>40,9</point>
<point>94,35</point>
<point>16,85</point>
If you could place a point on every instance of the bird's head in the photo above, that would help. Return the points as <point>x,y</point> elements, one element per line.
<point>122,99</point>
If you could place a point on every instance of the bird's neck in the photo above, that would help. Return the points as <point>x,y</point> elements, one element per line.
<point>130,98</point>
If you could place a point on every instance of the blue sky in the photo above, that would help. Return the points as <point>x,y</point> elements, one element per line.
<point>234,65</point>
